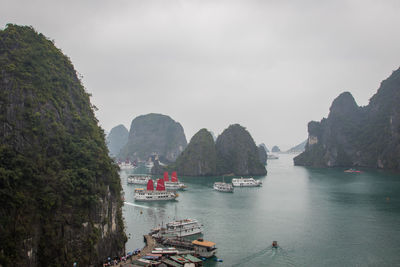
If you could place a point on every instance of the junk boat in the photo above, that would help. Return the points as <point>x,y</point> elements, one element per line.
<point>179,228</point>
<point>160,194</point>
<point>174,184</point>
<point>223,187</point>
<point>138,179</point>
<point>246,182</point>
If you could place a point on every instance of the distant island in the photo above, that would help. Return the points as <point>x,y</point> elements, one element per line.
<point>275,149</point>
<point>298,148</point>
<point>117,139</point>
<point>153,134</point>
<point>60,193</point>
<point>354,136</point>
<point>233,153</point>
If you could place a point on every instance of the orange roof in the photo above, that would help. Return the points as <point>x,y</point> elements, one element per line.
<point>204,243</point>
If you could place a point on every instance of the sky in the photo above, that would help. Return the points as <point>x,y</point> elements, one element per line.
<point>271,66</point>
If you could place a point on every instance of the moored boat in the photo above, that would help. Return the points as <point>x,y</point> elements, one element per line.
<point>246,182</point>
<point>174,184</point>
<point>223,187</point>
<point>179,228</point>
<point>126,165</point>
<point>160,194</point>
<point>138,179</point>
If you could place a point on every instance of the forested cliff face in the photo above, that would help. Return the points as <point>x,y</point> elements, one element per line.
<point>237,153</point>
<point>358,136</point>
<point>117,139</point>
<point>199,158</point>
<point>60,193</point>
<point>154,133</point>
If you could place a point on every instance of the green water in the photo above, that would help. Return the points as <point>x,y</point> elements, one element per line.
<point>320,217</point>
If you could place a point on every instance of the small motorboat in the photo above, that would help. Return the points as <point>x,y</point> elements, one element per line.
<point>274,244</point>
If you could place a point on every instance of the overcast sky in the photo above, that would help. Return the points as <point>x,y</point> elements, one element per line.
<point>271,66</point>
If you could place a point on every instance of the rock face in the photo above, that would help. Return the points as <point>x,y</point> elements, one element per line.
<point>299,148</point>
<point>262,154</point>
<point>358,136</point>
<point>117,139</point>
<point>199,158</point>
<point>237,153</point>
<point>60,193</point>
<point>154,134</point>
<point>265,147</point>
<point>275,149</point>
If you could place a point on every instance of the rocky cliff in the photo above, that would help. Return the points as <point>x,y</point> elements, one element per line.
<point>298,148</point>
<point>60,193</point>
<point>262,154</point>
<point>265,147</point>
<point>199,158</point>
<point>117,139</point>
<point>237,153</point>
<point>154,134</point>
<point>358,136</point>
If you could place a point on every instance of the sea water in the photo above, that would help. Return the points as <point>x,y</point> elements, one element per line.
<point>320,217</point>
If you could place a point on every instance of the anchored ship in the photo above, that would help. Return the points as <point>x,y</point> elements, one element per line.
<point>179,228</point>
<point>246,182</point>
<point>160,194</point>
<point>174,184</point>
<point>138,179</point>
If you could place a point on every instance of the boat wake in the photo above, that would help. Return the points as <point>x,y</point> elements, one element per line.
<point>135,205</point>
<point>274,255</point>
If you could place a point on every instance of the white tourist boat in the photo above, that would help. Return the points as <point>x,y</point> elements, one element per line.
<point>149,194</point>
<point>174,184</point>
<point>245,182</point>
<point>223,187</point>
<point>179,228</point>
<point>126,165</point>
<point>138,179</point>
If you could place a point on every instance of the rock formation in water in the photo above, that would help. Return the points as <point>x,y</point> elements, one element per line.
<point>358,136</point>
<point>265,147</point>
<point>199,158</point>
<point>154,134</point>
<point>237,153</point>
<point>60,193</point>
<point>275,149</point>
<point>299,148</point>
<point>117,139</point>
<point>262,154</point>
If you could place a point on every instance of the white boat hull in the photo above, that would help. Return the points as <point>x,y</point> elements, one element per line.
<point>154,195</point>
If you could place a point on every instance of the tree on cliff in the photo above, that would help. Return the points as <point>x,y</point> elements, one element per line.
<point>60,193</point>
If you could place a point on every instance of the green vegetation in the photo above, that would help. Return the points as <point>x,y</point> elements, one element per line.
<point>59,190</point>
<point>199,158</point>
<point>154,133</point>
<point>358,136</point>
<point>117,139</point>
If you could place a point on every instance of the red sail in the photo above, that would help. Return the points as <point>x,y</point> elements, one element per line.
<point>160,185</point>
<point>150,185</point>
<point>174,177</point>
<point>166,177</point>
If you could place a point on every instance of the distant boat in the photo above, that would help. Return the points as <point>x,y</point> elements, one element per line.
<point>352,171</point>
<point>272,156</point>
<point>138,179</point>
<point>223,187</point>
<point>246,182</point>
<point>160,194</point>
<point>174,184</point>
<point>126,165</point>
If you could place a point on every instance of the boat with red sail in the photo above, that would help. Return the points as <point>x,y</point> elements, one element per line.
<point>159,194</point>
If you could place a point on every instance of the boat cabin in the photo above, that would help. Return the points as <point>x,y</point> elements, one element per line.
<point>204,248</point>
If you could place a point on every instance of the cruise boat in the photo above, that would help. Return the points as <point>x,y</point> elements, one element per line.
<point>138,179</point>
<point>179,228</point>
<point>223,187</point>
<point>149,194</point>
<point>246,182</point>
<point>174,184</point>
<point>126,165</point>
